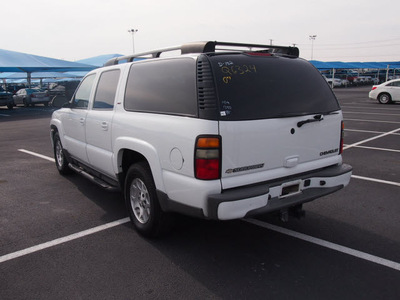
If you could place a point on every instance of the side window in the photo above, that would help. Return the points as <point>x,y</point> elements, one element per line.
<point>81,98</point>
<point>165,87</point>
<point>106,90</point>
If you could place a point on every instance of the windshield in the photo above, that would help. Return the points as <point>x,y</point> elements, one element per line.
<point>258,87</point>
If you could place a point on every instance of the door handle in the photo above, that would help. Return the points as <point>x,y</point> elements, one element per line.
<point>104,125</point>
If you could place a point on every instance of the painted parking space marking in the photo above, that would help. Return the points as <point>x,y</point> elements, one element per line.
<point>368,131</point>
<point>301,236</point>
<point>378,149</point>
<point>371,139</point>
<point>326,244</point>
<point>368,113</point>
<point>376,180</point>
<point>37,155</point>
<point>62,240</point>
<point>374,106</point>
<point>372,121</point>
<point>317,241</point>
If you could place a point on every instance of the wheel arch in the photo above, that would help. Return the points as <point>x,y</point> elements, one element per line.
<point>56,126</point>
<point>385,93</point>
<point>131,151</point>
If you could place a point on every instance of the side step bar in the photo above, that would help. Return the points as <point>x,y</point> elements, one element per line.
<point>94,179</point>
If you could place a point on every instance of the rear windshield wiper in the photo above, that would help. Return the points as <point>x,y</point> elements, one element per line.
<point>317,118</point>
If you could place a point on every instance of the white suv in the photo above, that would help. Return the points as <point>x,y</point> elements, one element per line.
<point>217,134</point>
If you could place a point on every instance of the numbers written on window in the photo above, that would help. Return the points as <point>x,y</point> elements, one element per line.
<point>236,70</point>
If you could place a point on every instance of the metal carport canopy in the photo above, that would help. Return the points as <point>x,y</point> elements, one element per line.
<point>321,65</point>
<point>11,61</point>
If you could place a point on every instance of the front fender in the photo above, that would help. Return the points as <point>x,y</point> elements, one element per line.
<point>56,125</point>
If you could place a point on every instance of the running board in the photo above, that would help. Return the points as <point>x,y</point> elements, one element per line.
<point>93,179</point>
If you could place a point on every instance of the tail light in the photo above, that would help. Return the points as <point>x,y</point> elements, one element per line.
<point>373,88</point>
<point>207,160</point>
<point>341,138</point>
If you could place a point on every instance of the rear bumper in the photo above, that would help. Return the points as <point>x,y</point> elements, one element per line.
<point>372,95</point>
<point>271,196</point>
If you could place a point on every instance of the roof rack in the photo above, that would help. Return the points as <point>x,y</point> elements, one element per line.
<point>208,47</point>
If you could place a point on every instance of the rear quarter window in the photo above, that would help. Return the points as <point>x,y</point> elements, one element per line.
<point>258,87</point>
<point>162,86</point>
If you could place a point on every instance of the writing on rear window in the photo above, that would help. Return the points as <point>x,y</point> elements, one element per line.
<point>230,69</point>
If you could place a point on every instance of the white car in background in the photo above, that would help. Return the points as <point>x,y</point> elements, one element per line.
<point>336,82</point>
<point>386,92</point>
<point>31,97</point>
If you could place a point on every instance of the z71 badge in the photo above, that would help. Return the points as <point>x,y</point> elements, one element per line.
<point>247,168</point>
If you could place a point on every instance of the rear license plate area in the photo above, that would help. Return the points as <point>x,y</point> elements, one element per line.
<point>290,189</point>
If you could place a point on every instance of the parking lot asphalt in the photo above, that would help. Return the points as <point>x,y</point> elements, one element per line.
<point>66,238</point>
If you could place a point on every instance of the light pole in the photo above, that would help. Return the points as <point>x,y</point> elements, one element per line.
<point>133,31</point>
<point>312,38</point>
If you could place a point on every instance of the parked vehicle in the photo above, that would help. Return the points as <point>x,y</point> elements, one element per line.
<point>223,131</point>
<point>386,92</point>
<point>6,99</point>
<point>334,82</point>
<point>31,97</point>
<point>56,90</point>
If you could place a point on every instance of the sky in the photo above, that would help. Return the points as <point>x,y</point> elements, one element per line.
<point>346,30</point>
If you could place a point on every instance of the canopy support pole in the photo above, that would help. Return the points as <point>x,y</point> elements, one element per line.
<point>387,72</point>
<point>28,78</point>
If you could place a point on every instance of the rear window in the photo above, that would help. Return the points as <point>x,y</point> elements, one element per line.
<point>258,87</point>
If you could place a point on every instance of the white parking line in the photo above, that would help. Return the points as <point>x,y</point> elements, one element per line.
<point>368,131</point>
<point>368,113</point>
<point>372,121</point>
<point>371,139</point>
<point>3,115</point>
<point>317,241</point>
<point>62,240</point>
<point>375,148</point>
<point>37,155</point>
<point>397,108</point>
<point>376,180</point>
<point>326,244</point>
<point>301,236</point>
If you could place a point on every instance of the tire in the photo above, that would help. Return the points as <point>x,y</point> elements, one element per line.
<point>60,158</point>
<point>10,105</point>
<point>384,98</point>
<point>142,203</point>
<point>26,104</point>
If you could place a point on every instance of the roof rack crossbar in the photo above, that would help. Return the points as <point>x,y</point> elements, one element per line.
<point>207,47</point>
